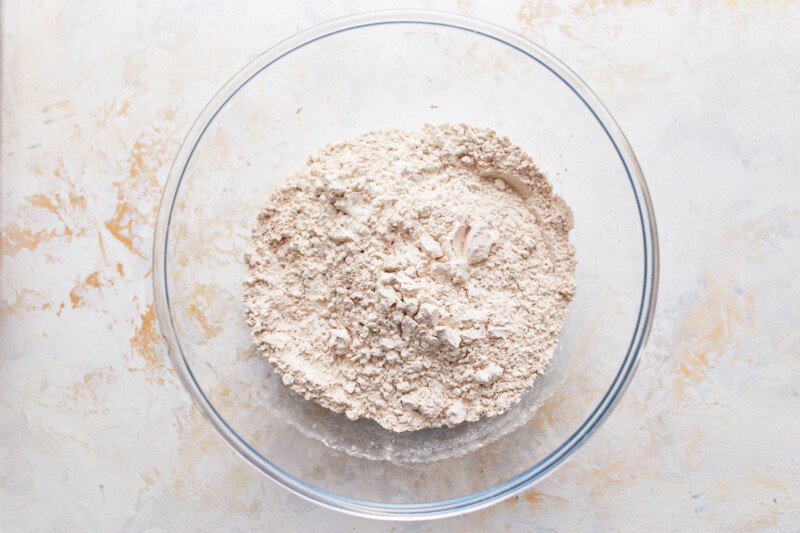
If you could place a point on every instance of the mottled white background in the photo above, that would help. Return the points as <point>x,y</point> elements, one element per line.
<point>96,433</point>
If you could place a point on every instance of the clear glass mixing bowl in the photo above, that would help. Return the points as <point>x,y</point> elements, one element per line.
<point>401,70</point>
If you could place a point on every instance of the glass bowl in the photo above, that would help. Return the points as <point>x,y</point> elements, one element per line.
<point>378,71</point>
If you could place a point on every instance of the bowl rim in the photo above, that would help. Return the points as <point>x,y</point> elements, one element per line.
<point>544,467</point>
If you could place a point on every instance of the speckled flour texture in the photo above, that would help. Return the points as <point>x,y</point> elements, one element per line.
<point>419,278</point>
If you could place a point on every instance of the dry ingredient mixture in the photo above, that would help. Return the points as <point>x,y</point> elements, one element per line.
<point>419,278</point>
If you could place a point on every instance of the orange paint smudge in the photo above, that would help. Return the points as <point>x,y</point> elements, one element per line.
<point>615,472</point>
<point>528,13</point>
<point>141,188</point>
<point>694,364</point>
<point>224,391</point>
<point>137,163</point>
<point>22,302</point>
<point>120,271</point>
<point>77,201</point>
<point>169,113</point>
<point>511,501</point>
<point>121,226</point>
<point>145,342</point>
<point>87,387</point>
<point>40,200</point>
<point>533,497</point>
<point>765,522</point>
<point>706,332</point>
<point>202,299</point>
<point>91,376</point>
<point>14,239</point>
<point>63,206</point>
<point>92,280</point>
<point>76,300</point>
<point>533,12</point>
<point>76,295</point>
<point>62,105</point>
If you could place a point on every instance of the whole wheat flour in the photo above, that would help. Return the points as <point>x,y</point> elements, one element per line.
<point>419,278</point>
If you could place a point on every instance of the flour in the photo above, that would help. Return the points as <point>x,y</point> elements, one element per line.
<point>419,279</point>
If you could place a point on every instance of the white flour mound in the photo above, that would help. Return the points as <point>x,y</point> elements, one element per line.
<point>419,278</point>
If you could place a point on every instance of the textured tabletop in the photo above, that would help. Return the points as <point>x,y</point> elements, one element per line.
<point>96,432</point>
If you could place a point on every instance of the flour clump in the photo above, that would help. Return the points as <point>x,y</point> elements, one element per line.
<point>418,279</point>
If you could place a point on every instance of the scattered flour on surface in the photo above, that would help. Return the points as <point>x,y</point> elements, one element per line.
<point>418,279</point>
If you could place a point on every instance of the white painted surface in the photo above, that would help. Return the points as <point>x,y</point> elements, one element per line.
<point>97,434</point>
